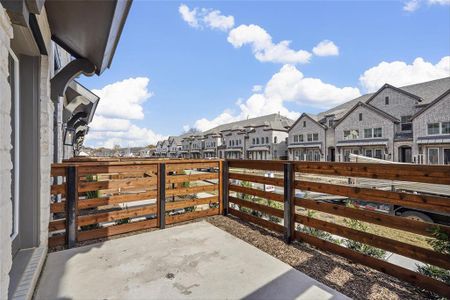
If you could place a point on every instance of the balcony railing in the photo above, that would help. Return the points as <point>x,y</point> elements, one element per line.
<point>99,199</point>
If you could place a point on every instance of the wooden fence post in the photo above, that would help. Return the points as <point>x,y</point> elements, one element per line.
<point>289,206</point>
<point>225,191</point>
<point>71,206</point>
<point>162,195</point>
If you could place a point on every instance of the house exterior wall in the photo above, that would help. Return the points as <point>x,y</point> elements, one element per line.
<point>306,126</point>
<point>370,119</point>
<point>6,33</point>
<point>438,113</point>
<point>212,142</point>
<point>399,105</point>
<point>236,149</point>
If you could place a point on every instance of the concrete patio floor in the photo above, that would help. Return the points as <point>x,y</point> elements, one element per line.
<point>193,261</point>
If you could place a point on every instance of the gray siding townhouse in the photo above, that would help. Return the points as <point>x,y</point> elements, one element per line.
<point>365,130</point>
<point>431,127</point>
<point>196,146</point>
<point>186,144</point>
<point>175,146</point>
<point>44,115</point>
<point>233,143</point>
<point>212,142</point>
<point>308,139</point>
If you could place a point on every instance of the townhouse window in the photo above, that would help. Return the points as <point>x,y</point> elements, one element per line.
<point>433,128</point>
<point>257,141</point>
<point>445,127</point>
<point>316,155</point>
<point>346,134</point>
<point>295,138</point>
<point>386,100</point>
<point>433,156</point>
<point>377,132</point>
<point>378,154</point>
<point>275,140</point>
<point>304,123</point>
<point>315,137</point>
<point>368,152</point>
<point>351,134</point>
<point>405,123</point>
<point>300,138</point>
<point>360,116</point>
<point>309,137</point>
<point>253,141</point>
<point>267,140</point>
<point>368,133</point>
<point>330,123</point>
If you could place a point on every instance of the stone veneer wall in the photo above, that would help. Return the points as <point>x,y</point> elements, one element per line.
<point>6,34</point>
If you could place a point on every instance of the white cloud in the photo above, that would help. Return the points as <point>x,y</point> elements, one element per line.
<point>399,73</point>
<point>199,18</point>
<point>326,48</point>
<point>413,5</point>
<point>120,103</point>
<point>214,19</point>
<point>189,16</point>
<point>287,85</point>
<point>257,88</point>
<point>262,46</point>
<point>123,99</point>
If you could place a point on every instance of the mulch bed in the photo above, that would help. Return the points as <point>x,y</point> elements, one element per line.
<point>351,279</point>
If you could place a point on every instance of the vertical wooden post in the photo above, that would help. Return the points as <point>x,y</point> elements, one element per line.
<point>289,207</point>
<point>220,187</point>
<point>71,206</point>
<point>225,191</point>
<point>162,195</point>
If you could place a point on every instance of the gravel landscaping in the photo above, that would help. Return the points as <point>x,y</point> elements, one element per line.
<point>354,280</point>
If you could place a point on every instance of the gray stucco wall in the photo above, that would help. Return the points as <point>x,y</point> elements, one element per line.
<point>6,34</point>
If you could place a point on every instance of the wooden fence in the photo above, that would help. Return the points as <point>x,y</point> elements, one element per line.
<point>280,209</point>
<point>92,200</point>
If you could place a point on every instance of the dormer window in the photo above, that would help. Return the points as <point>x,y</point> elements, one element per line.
<point>386,100</point>
<point>360,116</point>
<point>330,123</point>
<point>304,123</point>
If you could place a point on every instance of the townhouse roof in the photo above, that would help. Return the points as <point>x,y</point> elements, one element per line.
<point>425,91</point>
<point>370,107</point>
<point>447,92</point>
<point>314,118</point>
<point>272,121</point>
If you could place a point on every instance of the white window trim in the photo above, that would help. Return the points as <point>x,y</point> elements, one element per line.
<point>428,155</point>
<point>16,145</point>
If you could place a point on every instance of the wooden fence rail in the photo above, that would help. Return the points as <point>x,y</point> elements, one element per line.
<point>98,199</point>
<point>251,201</point>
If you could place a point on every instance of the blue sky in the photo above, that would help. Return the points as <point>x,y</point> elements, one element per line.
<point>190,72</point>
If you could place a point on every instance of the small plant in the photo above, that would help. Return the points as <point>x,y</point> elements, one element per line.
<point>316,232</point>
<point>123,221</point>
<point>440,243</point>
<point>248,185</point>
<point>361,247</point>
<point>91,194</point>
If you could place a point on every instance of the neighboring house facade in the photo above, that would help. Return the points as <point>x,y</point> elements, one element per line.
<point>365,130</point>
<point>196,146</point>
<point>431,127</point>
<point>175,146</point>
<point>234,143</point>
<point>212,143</point>
<point>186,143</point>
<point>308,139</point>
<point>44,116</point>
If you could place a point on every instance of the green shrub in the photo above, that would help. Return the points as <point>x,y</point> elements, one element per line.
<point>316,232</point>
<point>361,247</point>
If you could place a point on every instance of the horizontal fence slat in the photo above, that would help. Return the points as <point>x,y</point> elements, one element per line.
<point>117,183</point>
<point>377,218</point>
<point>258,221</point>
<point>57,207</point>
<point>188,203</point>
<point>257,179</point>
<point>56,240</point>
<point>193,177</point>
<point>191,190</point>
<point>256,206</point>
<point>434,203</point>
<point>116,215</point>
<point>58,189</point>
<point>255,192</point>
<point>191,215</point>
<point>267,165</point>
<point>408,250</point>
<point>104,169</point>
<point>58,171</point>
<point>116,229</point>
<point>412,277</point>
<point>402,172</point>
<point>176,167</point>
<point>56,225</point>
<point>112,200</point>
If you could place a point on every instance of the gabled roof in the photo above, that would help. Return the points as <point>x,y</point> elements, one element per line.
<point>372,108</point>
<point>388,86</point>
<point>432,103</point>
<point>309,116</point>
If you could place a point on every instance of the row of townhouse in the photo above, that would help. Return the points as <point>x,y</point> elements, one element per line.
<point>263,137</point>
<point>408,124</point>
